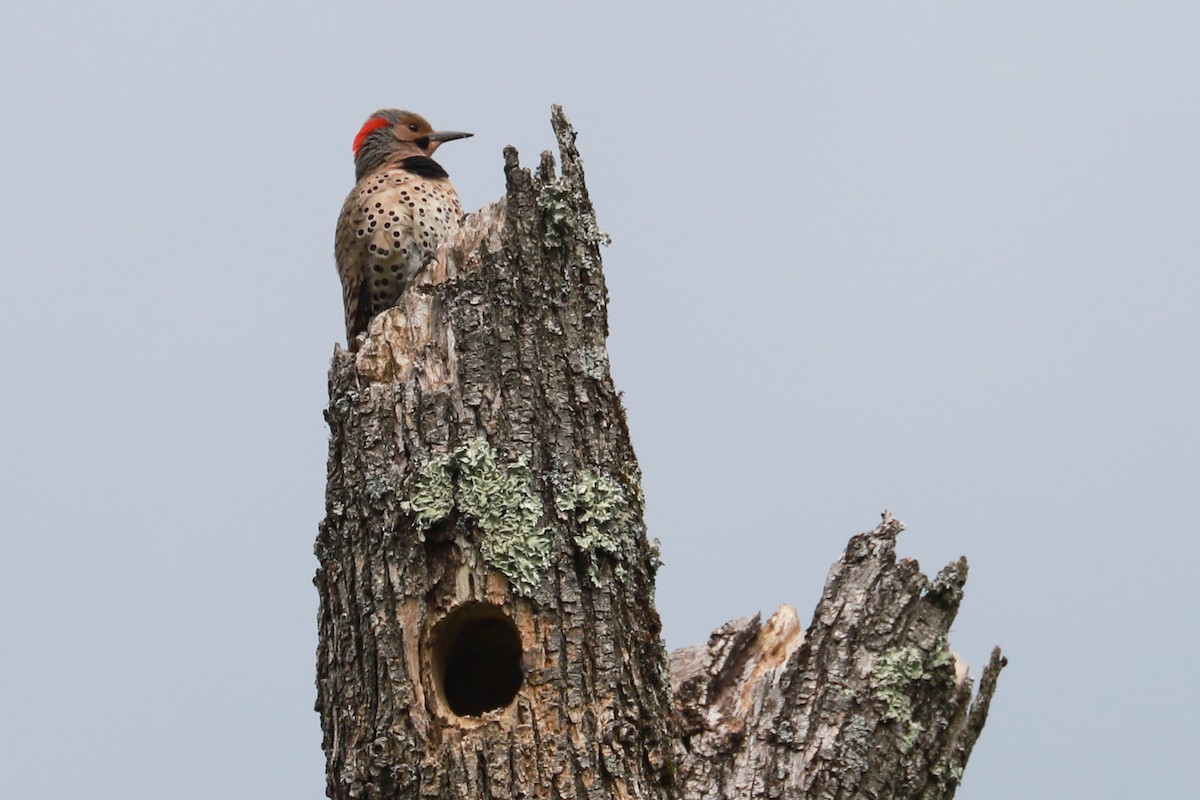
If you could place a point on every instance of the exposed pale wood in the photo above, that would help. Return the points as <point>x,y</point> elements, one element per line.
<point>483,535</point>
<point>869,702</point>
<point>492,373</point>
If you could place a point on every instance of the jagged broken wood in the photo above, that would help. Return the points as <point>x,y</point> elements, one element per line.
<point>869,702</point>
<point>487,624</point>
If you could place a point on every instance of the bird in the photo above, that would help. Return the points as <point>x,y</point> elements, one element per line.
<point>402,206</point>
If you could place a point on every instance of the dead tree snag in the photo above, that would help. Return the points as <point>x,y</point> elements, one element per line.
<point>487,625</point>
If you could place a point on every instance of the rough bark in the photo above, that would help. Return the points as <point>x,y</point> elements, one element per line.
<point>487,625</point>
<point>870,702</point>
<point>483,531</point>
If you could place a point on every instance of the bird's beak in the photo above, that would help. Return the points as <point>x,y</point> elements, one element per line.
<point>446,136</point>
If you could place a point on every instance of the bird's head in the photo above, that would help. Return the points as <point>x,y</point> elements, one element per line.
<point>391,135</point>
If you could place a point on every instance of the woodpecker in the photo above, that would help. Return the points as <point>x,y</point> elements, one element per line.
<point>401,208</point>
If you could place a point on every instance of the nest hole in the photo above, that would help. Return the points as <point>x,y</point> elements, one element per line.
<point>477,659</point>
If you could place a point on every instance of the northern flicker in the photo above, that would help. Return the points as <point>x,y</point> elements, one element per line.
<point>399,211</point>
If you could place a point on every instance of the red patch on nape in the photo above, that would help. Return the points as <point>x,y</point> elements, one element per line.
<point>369,127</point>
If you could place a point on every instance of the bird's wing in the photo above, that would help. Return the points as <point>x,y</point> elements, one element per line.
<point>380,244</point>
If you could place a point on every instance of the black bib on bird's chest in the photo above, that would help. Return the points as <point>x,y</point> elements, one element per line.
<point>424,166</point>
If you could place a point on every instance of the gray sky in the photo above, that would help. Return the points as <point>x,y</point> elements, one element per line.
<point>939,258</point>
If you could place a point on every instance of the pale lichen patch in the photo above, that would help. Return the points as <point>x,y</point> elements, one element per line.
<point>430,496</point>
<point>594,361</point>
<point>894,673</point>
<point>499,499</point>
<point>895,670</point>
<point>605,522</point>
<point>555,203</point>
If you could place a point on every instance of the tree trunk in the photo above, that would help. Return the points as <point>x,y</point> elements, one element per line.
<point>487,622</point>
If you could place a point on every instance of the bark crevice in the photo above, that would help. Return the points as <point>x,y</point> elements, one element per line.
<point>480,466</point>
<point>867,702</point>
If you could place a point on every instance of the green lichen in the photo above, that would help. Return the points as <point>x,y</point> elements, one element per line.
<point>605,522</point>
<point>431,493</point>
<point>508,512</point>
<point>894,672</point>
<point>554,201</point>
<point>500,500</point>
<point>566,216</point>
<point>948,774</point>
<point>946,590</point>
<point>939,657</point>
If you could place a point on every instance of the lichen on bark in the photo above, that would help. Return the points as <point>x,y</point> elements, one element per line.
<point>868,702</point>
<point>606,524</point>
<point>456,426</point>
<point>483,493</point>
<point>500,500</point>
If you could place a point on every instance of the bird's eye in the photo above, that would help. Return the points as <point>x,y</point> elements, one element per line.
<point>412,126</point>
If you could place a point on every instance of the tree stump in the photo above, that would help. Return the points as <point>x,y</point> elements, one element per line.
<point>487,625</point>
